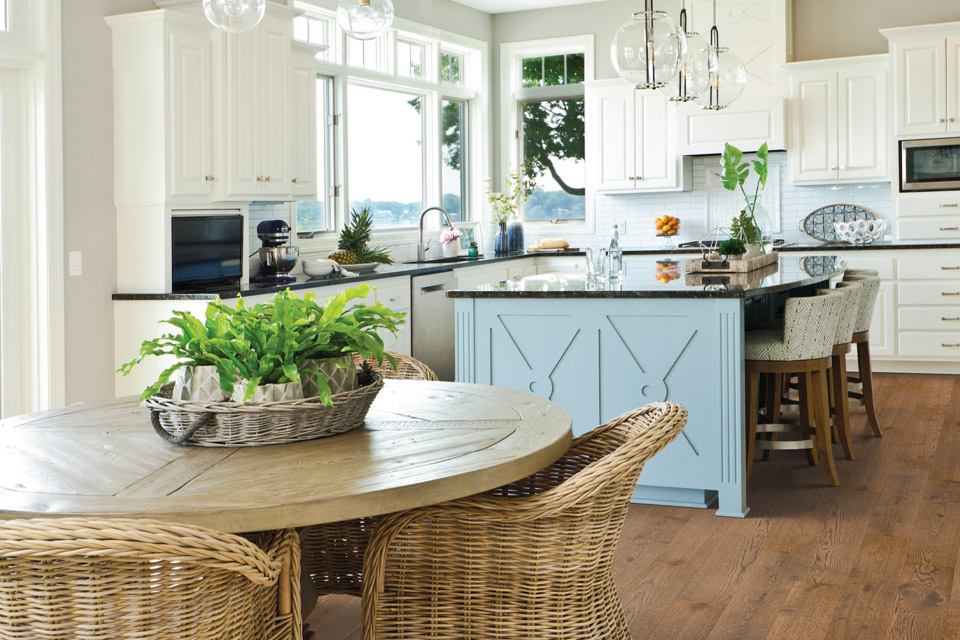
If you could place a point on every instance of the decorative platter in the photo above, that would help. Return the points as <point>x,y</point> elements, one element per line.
<point>819,224</point>
<point>365,267</point>
<point>822,265</point>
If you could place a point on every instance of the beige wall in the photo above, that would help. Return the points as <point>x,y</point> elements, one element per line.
<point>90,219</point>
<point>839,28</point>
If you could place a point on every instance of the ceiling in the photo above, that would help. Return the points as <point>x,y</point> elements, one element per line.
<point>506,6</point>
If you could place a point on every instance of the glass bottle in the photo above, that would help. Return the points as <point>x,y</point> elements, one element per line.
<point>615,254</point>
<point>515,234</point>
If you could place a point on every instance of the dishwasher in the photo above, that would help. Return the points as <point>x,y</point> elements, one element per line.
<point>433,322</point>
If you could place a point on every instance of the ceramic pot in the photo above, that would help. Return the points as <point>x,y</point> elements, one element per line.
<point>451,248</point>
<point>269,392</point>
<point>197,384</point>
<point>340,379</point>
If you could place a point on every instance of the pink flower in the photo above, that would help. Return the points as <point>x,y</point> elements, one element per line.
<point>449,235</point>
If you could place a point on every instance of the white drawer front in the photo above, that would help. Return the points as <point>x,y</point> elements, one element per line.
<point>943,344</point>
<point>939,293</point>
<point>397,297</point>
<point>884,266</point>
<point>929,204</point>
<point>945,228</point>
<point>929,319</point>
<point>930,268</point>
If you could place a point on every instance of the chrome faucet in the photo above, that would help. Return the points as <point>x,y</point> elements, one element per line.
<point>420,250</point>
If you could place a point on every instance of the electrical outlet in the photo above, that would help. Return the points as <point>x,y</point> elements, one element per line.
<point>623,227</point>
<point>76,263</point>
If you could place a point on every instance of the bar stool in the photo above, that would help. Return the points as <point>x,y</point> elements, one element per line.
<point>804,346</point>
<point>861,338</point>
<point>852,291</point>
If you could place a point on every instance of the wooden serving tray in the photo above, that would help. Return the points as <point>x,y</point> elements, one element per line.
<point>699,265</point>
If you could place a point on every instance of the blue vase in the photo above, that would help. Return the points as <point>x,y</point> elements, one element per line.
<point>501,244</point>
<point>515,234</point>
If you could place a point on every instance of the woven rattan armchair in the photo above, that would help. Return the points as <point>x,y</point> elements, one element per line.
<point>528,560</point>
<point>99,579</point>
<point>333,553</point>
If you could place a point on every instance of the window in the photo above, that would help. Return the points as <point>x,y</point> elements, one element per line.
<point>317,216</point>
<point>4,11</point>
<point>410,57</point>
<point>552,135</point>
<point>313,30</point>
<point>364,53</point>
<point>385,132</point>
<point>453,177</point>
<point>545,80</point>
<point>451,68</point>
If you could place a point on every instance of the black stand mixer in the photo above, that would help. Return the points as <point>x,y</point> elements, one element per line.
<point>277,259</point>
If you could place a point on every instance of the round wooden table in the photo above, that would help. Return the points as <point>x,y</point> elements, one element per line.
<point>423,443</point>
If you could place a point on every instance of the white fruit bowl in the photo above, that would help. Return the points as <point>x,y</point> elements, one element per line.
<point>860,231</point>
<point>319,268</point>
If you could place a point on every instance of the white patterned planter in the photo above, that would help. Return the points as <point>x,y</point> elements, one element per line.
<point>340,379</point>
<point>197,384</point>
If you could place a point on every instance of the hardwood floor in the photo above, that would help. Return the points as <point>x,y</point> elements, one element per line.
<point>873,558</point>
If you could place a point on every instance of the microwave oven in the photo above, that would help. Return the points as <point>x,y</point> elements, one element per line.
<point>930,165</point>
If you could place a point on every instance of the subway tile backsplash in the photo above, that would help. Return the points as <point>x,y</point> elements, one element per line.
<point>698,209</point>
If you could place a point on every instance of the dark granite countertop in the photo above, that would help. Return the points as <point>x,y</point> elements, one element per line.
<point>656,278</point>
<point>305,282</point>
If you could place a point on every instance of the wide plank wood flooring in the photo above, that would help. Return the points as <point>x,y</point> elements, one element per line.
<point>875,558</point>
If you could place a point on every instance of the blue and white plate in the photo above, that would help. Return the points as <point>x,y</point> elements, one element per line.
<point>819,224</point>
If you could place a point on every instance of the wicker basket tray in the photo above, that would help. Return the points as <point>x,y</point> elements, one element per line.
<point>231,424</point>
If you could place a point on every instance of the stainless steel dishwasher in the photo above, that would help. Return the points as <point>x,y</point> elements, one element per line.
<point>432,316</point>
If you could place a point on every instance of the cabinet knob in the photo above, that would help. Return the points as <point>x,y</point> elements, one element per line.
<point>951,119</point>
<point>294,181</point>
<point>209,178</point>
<point>259,178</point>
<point>942,120</point>
<point>267,179</point>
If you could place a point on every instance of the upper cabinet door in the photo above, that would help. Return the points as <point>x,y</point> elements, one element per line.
<point>242,98</point>
<point>921,87</point>
<point>190,137</point>
<point>613,137</point>
<point>863,124</point>
<point>275,136</point>
<point>303,120</point>
<point>953,84</point>
<point>814,157</point>
<point>656,142</point>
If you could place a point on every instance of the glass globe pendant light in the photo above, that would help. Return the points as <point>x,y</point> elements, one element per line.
<point>728,76</point>
<point>649,50</point>
<point>234,16</point>
<point>365,19</point>
<point>691,80</point>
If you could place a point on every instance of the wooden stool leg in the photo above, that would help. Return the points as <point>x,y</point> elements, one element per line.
<point>834,433</point>
<point>866,377</point>
<point>842,407</point>
<point>753,393</point>
<point>817,381</point>
<point>774,391</point>
<point>807,413</point>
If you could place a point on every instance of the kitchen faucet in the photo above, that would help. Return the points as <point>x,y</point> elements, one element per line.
<point>446,215</point>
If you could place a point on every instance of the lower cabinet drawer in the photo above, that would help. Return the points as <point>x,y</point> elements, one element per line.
<point>395,297</point>
<point>941,344</point>
<point>941,293</point>
<point>947,228</point>
<point>929,318</point>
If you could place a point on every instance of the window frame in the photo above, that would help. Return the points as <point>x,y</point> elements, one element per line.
<point>330,155</point>
<point>465,149</point>
<point>474,91</point>
<point>513,94</point>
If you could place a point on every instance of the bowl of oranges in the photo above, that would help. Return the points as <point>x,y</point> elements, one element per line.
<point>667,226</point>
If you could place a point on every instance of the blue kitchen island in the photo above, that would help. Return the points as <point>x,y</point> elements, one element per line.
<point>601,349</point>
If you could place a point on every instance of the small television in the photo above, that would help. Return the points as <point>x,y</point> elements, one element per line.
<point>207,252</point>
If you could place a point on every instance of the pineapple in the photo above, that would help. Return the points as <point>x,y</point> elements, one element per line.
<point>352,247</point>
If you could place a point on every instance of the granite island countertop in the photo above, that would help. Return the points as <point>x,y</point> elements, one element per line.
<point>652,278</point>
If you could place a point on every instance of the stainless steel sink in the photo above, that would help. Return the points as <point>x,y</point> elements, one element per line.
<point>439,261</point>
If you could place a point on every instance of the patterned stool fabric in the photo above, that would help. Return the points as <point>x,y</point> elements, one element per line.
<point>809,329</point>
<point>868,302</point>
<point>852,293</point>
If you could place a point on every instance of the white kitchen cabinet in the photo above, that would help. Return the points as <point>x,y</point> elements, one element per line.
<point>255,76</point>
<point>927,75</point>
<point>746,124</point>
<point>303,116</point>
<point>162,107</point>
<point>839,116</point>
<point>631,143</point>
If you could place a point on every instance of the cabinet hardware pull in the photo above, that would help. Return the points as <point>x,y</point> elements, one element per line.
<point>950,293</point>
<point>942,120</point>
<point>949,345</point>
<point>952,205</point>
<point>294,181</point>
<point>259,178</point>
<point>209,178</point>
<point>267,179</point>
<point>949,228</point>
<point>949,268</point>
<point>950,319</point>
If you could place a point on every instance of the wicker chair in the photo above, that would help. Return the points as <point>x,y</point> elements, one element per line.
<point>531,559</point>
<point>99,579</point>
<point>332,554</point>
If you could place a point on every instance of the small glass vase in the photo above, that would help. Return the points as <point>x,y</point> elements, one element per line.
<point>501,244</point>
<point>764,226</point>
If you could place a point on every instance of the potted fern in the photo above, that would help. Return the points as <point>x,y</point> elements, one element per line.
<point>752,225</point>
<point>288,355</point>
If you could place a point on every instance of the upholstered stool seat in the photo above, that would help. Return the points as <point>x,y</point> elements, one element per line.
<point>803,346</point>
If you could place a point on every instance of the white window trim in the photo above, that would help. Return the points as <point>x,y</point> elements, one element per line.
<point>476,91</point>
<point>35,52</point>
<point>511,93</point>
